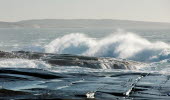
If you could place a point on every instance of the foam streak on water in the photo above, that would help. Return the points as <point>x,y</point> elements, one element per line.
<point>23,63</point>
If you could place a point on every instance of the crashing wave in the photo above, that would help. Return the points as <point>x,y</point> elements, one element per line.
<point>124,45</point>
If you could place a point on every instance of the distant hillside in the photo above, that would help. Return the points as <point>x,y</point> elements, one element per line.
<point>84,23</point>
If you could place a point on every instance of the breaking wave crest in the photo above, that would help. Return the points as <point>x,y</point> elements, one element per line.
<point>125,45</point>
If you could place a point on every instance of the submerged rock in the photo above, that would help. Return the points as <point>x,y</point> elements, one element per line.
<point>73,60</point>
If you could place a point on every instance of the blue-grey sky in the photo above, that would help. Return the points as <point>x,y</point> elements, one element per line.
<point>143,10</point>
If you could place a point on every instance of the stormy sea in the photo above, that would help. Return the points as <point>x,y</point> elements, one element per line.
<point>80,63</point>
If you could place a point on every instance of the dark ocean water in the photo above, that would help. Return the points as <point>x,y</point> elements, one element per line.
<point>97,64</point>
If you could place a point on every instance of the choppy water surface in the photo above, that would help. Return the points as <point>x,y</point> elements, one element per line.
<point>93,69</point>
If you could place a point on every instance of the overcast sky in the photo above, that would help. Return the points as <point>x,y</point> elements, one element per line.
<point>143,10</point>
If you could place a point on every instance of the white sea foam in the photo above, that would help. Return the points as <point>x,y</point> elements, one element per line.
<point>121,44</point>
<point>73,44</point>
<point>23,63</point>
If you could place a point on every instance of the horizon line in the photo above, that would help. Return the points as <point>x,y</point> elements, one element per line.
<point>81,19</point>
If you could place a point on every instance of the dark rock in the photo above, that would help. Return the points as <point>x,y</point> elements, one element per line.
<point>73,60</point>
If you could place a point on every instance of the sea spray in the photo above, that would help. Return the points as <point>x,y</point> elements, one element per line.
<point>121,44</point>
<point>71,44</point>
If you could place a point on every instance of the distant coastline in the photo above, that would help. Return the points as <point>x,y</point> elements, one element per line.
<point>85,23</point>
